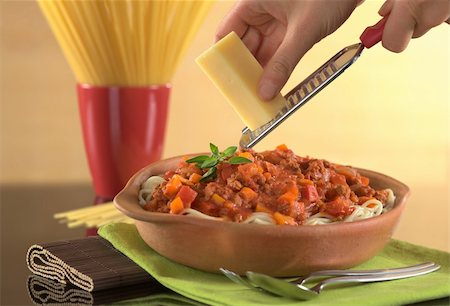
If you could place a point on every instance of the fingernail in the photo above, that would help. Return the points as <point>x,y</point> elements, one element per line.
<point>382,9</point>
<point>267,90</point>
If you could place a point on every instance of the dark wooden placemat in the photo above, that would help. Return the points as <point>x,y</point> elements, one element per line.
<point>44,291</point>
<point>90,263</point>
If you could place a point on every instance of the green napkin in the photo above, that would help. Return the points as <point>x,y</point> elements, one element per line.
<point>215,289</point>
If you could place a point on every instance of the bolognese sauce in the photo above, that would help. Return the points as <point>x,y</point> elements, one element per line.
<point>287,187</point>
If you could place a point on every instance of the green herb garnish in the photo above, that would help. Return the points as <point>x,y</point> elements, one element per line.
<point>210,162</point>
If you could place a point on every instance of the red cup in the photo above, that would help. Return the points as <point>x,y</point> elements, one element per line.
<point>123,131</point>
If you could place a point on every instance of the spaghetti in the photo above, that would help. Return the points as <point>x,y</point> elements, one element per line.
<point>127,42</point>
<point>277,187</point>
<point>92,216</point>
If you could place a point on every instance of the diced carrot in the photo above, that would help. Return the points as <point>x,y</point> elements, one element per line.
<point>290,195</point>
<point>176,206</point>
<point>262,208</point>
<point>286,198</point>
<point>247,155</point>
<point>172,186</point>
<point>195,178</point>
<point>292,188</point>
<point>283,219</point>
<point>338,179</point>
<point>267,175</point>
<point>217,199</point>
<point>305,182</point>
<point>364,180</point>
<point>248,193</point>
<point>282,147</point>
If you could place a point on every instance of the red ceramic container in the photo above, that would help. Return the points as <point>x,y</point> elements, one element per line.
<point>123,131</point>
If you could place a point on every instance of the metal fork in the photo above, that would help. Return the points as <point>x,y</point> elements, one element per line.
<point>343,275</point>
<point>301,292</point>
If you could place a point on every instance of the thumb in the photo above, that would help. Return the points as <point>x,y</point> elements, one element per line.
<point>280,66</point>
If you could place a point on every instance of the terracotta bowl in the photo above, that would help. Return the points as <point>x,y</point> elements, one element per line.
<point>275,250</point>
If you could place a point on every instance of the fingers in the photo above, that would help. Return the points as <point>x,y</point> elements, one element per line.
<point>399,27</point>
<point>275,75</point>
<point>280,66</point>
<point>411,19</point>
<point>386,8</point>
<point>233,21</point>
<point>237,20</point>
<point>359,2</point>
<point>252,39</point>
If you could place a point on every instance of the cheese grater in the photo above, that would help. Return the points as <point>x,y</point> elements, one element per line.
<point>314,83</point>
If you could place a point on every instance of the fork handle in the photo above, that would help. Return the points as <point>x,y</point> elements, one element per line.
<point>373,278</point>
<point>323,273</point>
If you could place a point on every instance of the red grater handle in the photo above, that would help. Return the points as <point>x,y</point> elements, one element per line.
<point>372,35</point>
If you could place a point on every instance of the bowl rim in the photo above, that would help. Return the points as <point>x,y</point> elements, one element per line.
<point>134,210</point>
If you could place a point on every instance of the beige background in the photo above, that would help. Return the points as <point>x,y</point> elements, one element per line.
<point>388,112</point>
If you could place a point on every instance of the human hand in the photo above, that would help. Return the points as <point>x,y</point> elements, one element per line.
<point>279,33</point>
<point>411,19</point>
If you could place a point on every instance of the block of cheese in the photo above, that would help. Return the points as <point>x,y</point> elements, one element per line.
<point>236,72</point>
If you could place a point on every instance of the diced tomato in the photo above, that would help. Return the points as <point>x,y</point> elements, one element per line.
<point>227,171</point>
<point>339,207</point>
<point>207,208</point>
<point>187,196</point>
<point>309,192</point>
